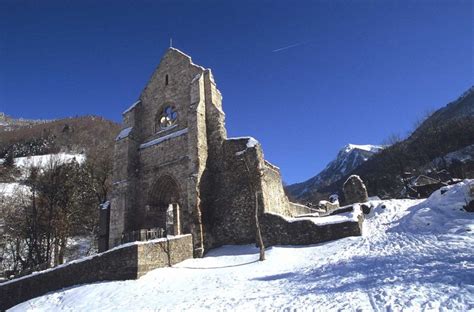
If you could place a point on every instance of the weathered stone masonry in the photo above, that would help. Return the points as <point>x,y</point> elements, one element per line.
<point>129,261</point>
<point>176,169</point>
<point>188,163</point>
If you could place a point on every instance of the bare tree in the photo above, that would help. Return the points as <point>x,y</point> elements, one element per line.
<point>254,191</point>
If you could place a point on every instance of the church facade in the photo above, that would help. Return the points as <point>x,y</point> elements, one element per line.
<point>176,169</point>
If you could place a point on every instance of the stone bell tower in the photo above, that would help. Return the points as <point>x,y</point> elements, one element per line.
<point>162,151</point>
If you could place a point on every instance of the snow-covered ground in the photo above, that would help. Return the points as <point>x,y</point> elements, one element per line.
<point>414,255</point>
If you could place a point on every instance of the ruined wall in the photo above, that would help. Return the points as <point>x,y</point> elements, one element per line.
<point>242,178</point>
<point>274,197</point>
<point>299,209</point>
<point>123,193</point>
<point>276,230</point>
<point>229,212</point>
<point>129,261</point>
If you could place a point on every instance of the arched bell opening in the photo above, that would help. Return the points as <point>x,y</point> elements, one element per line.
<point>164,208</point>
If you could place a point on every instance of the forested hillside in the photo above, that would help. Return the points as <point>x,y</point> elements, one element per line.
<point>433,146</point>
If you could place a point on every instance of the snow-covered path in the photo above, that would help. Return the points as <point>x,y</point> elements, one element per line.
<point>413,255</point>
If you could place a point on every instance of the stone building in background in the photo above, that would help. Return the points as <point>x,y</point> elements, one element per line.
<point>176,169</point>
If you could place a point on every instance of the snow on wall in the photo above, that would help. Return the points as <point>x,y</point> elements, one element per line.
<point>251,142</point>
<point>124,133</point>
<point>352,216</point>
<point>164,138</point>
<point>131,107</point>
<point>121,263</point>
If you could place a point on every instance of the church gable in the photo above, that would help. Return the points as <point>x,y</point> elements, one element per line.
<point>166,97</point>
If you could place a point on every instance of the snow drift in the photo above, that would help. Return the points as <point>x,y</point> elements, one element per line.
<point>414,255</point>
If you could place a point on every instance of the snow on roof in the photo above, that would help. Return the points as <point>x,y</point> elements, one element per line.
<point>123,133</point>
<point>164,138</point>
<point>424,180</point>
<point>131,107</point>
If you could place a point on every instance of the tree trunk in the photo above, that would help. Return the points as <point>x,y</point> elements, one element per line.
<point>259,232</point>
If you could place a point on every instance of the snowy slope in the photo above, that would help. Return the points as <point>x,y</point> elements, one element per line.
<point>414,255</point>
<point>43,161</point>
<point>348,159</point>
<point>24,164</point>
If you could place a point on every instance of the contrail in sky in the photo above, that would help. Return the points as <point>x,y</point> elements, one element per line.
<point>290,46</point>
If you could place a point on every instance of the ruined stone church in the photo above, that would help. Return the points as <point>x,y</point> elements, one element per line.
<point>176,172</point>
<point>175,168</point>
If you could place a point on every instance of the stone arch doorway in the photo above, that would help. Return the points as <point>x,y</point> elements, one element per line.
<point>165,205</point>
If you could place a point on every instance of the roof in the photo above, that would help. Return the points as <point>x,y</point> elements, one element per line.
<point>422,180</point>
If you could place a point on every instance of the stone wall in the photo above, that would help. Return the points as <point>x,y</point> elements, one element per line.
<point>274,196</point>
<point>299,209</point>
<point>129,261</point>
<point>354,190</point>
<point>277,230</point>
<point>229,197</point>
<point>240,179</point>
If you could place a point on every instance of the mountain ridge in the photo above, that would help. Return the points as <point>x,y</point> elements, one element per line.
<point>448,130</point>
<point>348,158</point>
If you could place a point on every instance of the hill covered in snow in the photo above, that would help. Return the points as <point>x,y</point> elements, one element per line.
<point>413,255</point>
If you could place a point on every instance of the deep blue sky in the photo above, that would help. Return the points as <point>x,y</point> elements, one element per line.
<point>362,70</point>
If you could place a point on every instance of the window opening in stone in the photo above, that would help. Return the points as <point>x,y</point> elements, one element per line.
<point>172,220</point>
<point>168,117</point>
<point>166,80</point>
<point>164,208</point>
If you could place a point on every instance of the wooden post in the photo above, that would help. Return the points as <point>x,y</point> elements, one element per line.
<point>259,232</point>
<point>257,222</point>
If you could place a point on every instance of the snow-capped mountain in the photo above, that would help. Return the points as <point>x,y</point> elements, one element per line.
<point>348,159</point>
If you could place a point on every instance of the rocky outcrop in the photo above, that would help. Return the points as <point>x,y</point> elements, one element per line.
<point>354,190</point>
